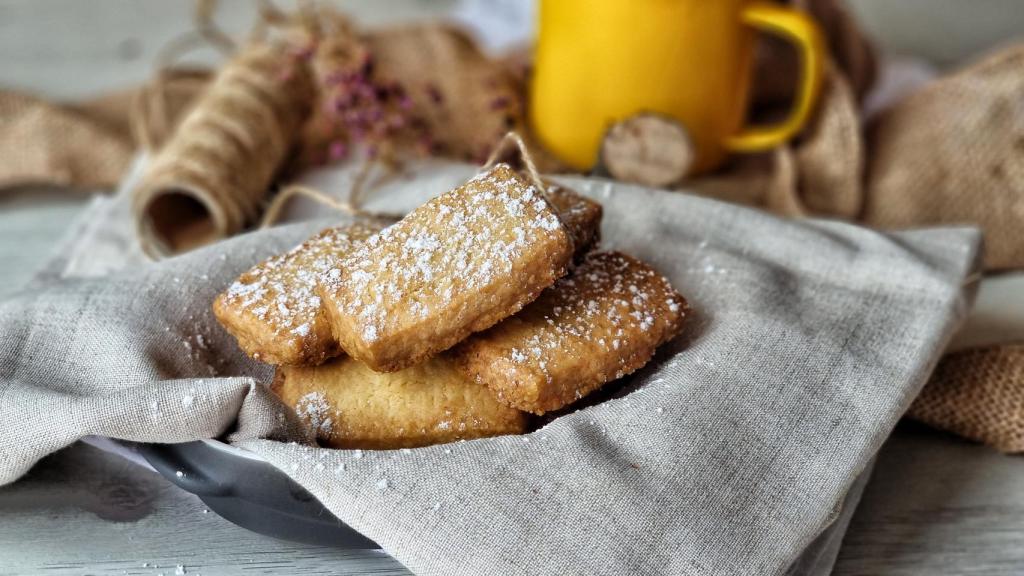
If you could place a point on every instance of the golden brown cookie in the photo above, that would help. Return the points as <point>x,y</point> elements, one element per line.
<point>580,215</point>
<point>273,309</point>
<point>601,322</point>
<point>351,406</point>
<point>271,334</point>
<point>456,265</point>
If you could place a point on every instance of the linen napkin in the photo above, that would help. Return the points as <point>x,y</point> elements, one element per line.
<point>729,454</point>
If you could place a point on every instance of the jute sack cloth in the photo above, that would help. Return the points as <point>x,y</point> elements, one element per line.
<point>43,143</point>
<point>728,454</point>
<point>978,393</point>
<point>954,152</point>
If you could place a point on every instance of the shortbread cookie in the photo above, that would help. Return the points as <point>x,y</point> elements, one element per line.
<point>580,215</point>
<point>273,310</point>
<point>456,265</point>
<point>600,323</point>
<point>276,335</point>
<point>351,406</point>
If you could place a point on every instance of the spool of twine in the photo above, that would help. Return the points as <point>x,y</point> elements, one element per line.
<point>209,180</point>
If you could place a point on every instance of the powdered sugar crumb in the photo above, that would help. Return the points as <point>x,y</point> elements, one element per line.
<point>588,318</point>
<point>281,291</point>
<point>316,411</point>
<point>410,270</point>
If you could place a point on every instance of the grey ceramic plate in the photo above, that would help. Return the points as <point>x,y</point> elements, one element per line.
<point>248,491</point>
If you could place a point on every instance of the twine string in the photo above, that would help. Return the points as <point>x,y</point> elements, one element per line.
<point>273,213</point>
<point>149,114</point>
<point>350,205</point>
<point>524,153</point>
<point>206,26</point>
<point>513,138</point>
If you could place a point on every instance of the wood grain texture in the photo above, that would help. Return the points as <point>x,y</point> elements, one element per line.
<point>32,222</point>
<point>84,511</point>
<point>938,505</point>
<point>69,49</point>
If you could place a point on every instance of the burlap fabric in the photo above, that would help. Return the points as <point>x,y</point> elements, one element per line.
<point>950,153</point>
<point>778,67</point>
<point>463,101</point>
<point>89,145</point>
<point>43,143</point>
<point>978,394</point>
<point>728,454</point>
<point>954,152</point>
<point>821,173</point>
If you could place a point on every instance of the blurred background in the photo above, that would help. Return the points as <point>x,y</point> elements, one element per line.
<point>74,48</point>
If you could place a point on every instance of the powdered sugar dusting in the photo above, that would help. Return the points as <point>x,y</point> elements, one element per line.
<point>454,248</point>
<point>280,293</point>
<point>599,323</point>
<point>316,411</point>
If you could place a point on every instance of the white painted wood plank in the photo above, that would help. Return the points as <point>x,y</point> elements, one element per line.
<point>938,505</point>
<point>84,511</point>
<point>73,48</point>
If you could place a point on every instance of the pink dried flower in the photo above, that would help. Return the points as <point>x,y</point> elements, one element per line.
<point>337,151</point>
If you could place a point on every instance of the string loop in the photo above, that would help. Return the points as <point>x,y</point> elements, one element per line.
<point>524,153</point>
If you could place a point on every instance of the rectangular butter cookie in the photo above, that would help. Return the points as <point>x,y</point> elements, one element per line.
<point>601,322</point>
<point>580,215</point>
<point>273,309</point>
<point>351,406</point>
<point>456,265</point>
<point>274,313</point>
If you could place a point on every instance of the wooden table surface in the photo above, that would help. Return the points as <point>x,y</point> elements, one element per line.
<point>935,505</point>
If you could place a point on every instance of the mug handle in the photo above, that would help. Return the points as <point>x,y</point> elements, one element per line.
<point>800,29</point>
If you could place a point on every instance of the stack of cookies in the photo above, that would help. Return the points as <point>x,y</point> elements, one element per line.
<point>480,307</point>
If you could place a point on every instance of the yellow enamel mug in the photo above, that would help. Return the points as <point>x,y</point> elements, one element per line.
<point>601,61</point>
